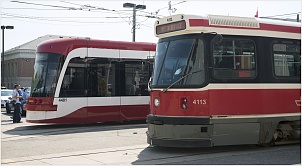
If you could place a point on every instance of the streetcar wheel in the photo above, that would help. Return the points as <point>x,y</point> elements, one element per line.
<point>269,144</point>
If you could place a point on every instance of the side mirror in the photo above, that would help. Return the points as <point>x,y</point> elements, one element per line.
<point>149,84</point>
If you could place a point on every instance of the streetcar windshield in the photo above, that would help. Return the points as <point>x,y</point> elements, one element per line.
<point>46,72</point>
<point>177,58</point>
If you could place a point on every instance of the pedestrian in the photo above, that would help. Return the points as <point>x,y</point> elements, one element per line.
<point>19,90</point>
<point>24,96</point>
<point>17,98</point>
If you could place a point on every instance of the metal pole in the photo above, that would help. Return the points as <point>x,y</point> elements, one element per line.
<point>133,23</point>
<point>297,17</point>
<point>2,64</point>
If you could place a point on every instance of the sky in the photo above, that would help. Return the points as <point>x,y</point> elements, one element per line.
<point>108,20</point>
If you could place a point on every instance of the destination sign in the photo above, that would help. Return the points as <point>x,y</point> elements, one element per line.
<point>171,27</point>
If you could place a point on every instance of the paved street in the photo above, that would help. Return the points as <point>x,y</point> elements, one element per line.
<point>117,143</point>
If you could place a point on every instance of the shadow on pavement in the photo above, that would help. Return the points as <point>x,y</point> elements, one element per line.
<point>154,155</point>
<point>58,129</point>
<point>221,155</point>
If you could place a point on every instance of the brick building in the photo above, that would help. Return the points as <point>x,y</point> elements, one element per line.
<point>19,62</point>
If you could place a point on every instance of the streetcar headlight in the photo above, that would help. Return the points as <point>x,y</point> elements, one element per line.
<point>183,103</point>
<point>184,106</point>
<point>156,102</point>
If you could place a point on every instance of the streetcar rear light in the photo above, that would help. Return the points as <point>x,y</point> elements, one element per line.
<point>40,104</point>
<point>183,103</point>
<point>156,102</point>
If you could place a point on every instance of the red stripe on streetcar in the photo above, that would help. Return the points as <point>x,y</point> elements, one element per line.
<point>226,102</point>
<point>66,45</point>
<point>280,28</point>
<point>198,22</point>
<point>99,114</point>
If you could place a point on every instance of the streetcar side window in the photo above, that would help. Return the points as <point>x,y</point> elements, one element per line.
<point>74,80</point>
<point>234,58</point>
<point>287,59</point>
<point>134,78</point>
<point>102,77</point>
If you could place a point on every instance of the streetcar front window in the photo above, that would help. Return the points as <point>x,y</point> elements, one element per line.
<point>46,72</point>
<point>179,58</point>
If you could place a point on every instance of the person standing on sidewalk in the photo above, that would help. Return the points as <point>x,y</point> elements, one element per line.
<point>17,98</point>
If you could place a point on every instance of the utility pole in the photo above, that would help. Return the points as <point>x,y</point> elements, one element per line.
<point>2,64</point>
<point>134,6</point>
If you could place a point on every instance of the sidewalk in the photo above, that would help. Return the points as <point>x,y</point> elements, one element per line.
<point>127,155</point>
<point>146,155</point>
<point>108,156</point>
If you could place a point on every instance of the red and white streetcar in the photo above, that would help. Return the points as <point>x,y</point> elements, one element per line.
<point>224,80</point>
<point>86,81</point>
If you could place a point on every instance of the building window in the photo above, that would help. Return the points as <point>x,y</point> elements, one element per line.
<point>8,70</point>
<point>16,70</point>
<point>234,58</point>
<point>11,70</point>
<point>287,59</point>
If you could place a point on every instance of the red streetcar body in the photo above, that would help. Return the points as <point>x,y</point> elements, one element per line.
<point>79,80</point>
<point>224,80</point>
<point>227,102</point>
<point>65,45</point>
<point>174,101</point>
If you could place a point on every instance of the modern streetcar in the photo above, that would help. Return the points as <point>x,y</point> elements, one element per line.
<point>225,80</point>
<point>80,80</point>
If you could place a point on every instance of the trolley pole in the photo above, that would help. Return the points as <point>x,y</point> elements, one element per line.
<point>134,6</point>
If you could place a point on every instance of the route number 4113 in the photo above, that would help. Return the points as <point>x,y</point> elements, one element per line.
<point>200,102</point>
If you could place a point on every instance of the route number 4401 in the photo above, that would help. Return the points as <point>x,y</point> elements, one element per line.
<point>200,102</point>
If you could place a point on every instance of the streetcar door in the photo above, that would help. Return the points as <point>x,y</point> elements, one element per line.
<point>72,101</point>
<point>102,86</point>
<point>134,74</point>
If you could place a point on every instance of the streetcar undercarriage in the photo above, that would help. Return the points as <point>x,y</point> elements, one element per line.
<point>220,131</point>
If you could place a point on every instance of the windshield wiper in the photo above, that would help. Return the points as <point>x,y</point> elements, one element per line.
<point>181,78</point>
<point>192,50</point>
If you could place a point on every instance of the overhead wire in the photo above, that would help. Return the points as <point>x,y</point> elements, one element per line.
<point>123,14</point>
<point>51,19</point>
<point>28,8</point>
<point>285,14</point>
<point>50,23</point>
<point>29,3</point>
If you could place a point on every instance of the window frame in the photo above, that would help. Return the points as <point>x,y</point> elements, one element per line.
<point>235,78</point>
<point>283,41</point>
<point>94,64</point>
<point>195,36</point>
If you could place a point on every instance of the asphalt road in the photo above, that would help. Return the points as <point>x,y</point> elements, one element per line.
<point>118,143</point>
